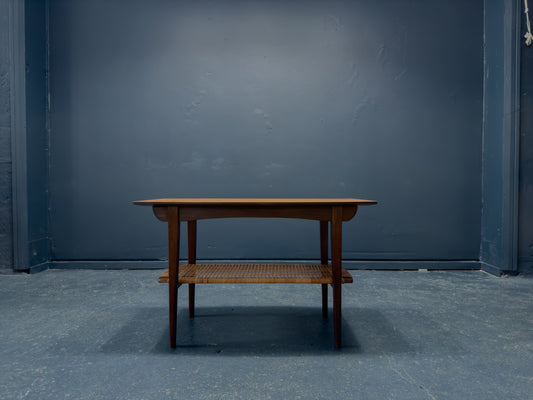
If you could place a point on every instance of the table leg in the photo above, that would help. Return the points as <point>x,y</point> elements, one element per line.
<point>173,270</point>
<point>336,264</point>
<point>191,254</point>
<point>324,261</point>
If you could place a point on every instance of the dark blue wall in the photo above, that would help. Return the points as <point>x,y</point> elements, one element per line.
<point>6,241</point>
<point>525,243</point>
<point>379,100</point>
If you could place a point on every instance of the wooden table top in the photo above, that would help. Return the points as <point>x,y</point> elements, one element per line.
<point>255,202</point>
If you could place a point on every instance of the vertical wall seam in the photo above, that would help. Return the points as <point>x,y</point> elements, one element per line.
<point>48,131</point>
<point>483,113</point>
<point>516,133</point>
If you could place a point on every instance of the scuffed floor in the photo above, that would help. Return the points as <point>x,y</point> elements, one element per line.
<point>406,335</point>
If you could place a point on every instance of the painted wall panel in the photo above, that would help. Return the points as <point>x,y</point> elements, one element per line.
<point>491,249</point>
<point>36,130</point>
<point>379,100</point>
<point>499,230</point>
<point>6,211</point>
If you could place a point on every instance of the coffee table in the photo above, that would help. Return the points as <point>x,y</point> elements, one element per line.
<point>327,211</point>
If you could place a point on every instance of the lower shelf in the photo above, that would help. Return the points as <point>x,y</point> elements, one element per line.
<point>256,273</point>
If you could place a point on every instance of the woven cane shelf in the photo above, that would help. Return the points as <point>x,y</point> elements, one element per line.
<point>256,273</point>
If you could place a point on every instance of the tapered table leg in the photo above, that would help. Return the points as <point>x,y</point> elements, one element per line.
<point>191,254</point>
<point>336,264</point>
<point>324,261</point>
<point>173,269</point>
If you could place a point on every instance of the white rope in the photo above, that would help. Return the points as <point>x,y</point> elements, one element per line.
<point>528,36</point>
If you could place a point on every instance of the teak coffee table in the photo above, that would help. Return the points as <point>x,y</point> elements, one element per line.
<point>335,211</point>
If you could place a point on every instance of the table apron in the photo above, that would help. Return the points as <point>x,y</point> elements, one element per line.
<point>193,213</point>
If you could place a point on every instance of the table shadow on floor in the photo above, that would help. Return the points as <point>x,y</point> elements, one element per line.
<point>258,330</point>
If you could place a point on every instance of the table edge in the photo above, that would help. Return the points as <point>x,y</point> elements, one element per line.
<point>254,202</point>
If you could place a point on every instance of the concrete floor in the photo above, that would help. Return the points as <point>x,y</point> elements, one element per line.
<point>407,335</point>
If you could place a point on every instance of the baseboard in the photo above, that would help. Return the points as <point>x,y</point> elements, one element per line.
<point>348,264</point>
<point>491,269</point>
<point>38,268</point>
<point>109,264</point>
<point>411,264</point>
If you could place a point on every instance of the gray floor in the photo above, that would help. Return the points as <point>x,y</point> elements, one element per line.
<point>407,335</point>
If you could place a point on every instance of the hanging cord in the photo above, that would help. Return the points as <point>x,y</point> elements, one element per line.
<point>528,35</point>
